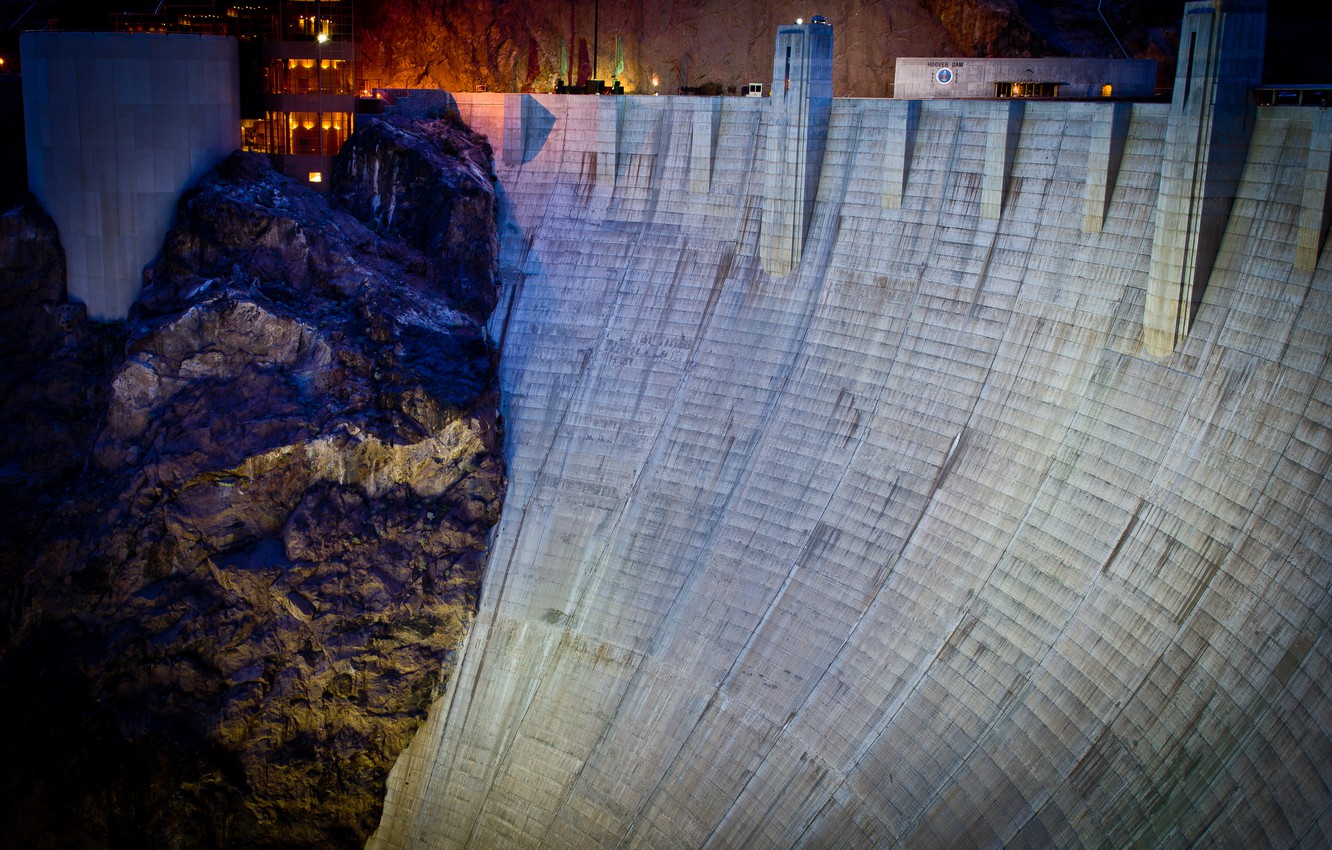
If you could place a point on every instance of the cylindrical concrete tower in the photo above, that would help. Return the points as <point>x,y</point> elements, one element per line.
<point>118,125</point>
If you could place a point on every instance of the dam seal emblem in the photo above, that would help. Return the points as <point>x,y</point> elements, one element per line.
<point>944,76</point>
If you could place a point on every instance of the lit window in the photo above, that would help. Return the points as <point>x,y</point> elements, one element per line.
<point>316,177</point>
<point>1107,90</point>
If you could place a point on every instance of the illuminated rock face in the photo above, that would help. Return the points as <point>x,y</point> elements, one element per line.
<point>517,47</point>
<point>914,546</point>
<point>245,530</point>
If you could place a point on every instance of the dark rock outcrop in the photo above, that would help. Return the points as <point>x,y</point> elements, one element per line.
<point>238,608</point>
<point>54,370</point>
<point>418,182</point>
<point>13,147</point>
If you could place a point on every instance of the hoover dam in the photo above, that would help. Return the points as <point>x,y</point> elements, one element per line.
<point>917,543</point>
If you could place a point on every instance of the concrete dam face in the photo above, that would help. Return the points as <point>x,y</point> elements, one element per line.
<point>916,545</point>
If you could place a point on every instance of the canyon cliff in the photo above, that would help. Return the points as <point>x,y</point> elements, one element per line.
<point>245,530</point>
<point>720,46</point>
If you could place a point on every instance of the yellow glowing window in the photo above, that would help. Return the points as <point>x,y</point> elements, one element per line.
<point>316,177</point>
<point>1107,90</point>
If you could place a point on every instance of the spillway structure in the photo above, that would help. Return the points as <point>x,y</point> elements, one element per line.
<point>919,544</point>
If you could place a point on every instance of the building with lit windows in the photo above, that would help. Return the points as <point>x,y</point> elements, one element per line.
<point>310,88</point>
<point>118,124</point>
<point>926,78</point>
<point>298,81</point>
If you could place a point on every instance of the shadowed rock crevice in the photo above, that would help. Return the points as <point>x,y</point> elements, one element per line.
<point>257,547</point>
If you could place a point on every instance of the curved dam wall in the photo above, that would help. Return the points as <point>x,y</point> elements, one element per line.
<point>914,546</point>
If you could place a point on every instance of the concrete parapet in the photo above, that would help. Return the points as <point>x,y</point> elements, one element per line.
<point>118,125</point>
<point>419,104</point>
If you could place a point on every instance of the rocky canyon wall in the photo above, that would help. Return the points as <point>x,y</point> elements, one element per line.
<point>526,47</point>
<point>915,546</point>
<point>245,530</point>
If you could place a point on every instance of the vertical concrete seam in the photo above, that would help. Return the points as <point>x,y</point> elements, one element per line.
<point>1317,200</point>
<point>1005,127</point>
<point>903,123</point>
